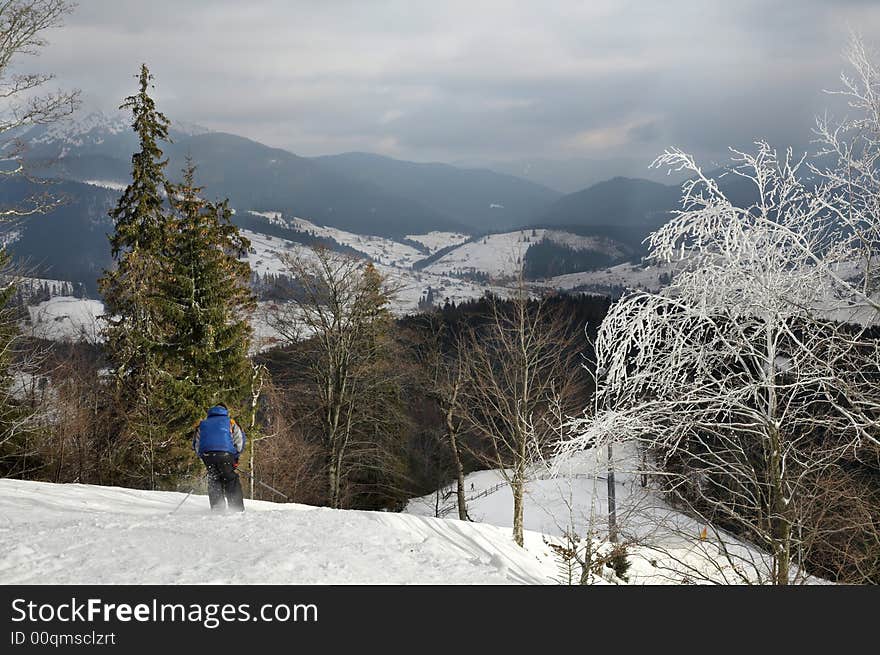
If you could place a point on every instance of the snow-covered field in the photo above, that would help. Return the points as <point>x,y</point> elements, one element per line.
<point>267,252</point>
<point>410,285</point>
<point>498,255</point>
<point>435,241</point>
<point>622,275</point>
<point>667,547</point>
<point>501,255</point>
<point>80,534</point>
<point>379,249</point>
<point>64,318</point>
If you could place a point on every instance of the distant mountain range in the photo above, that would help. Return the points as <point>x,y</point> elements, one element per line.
<point>477,198</point>
<point>622,208</point>
<point>359,192</point>
<point>576,173</point>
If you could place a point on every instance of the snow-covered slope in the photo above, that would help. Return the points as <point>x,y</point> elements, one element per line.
<point>380,249</point>
<point>80,534</point>
<point>435,241</point>
<point>64,318</point>
<point>667,547</point>
<point>623,275</point>
<point>107,184</point>
<point>92,128</point>
<point>498,255</point>
<point>87,128</point>
<point>501,255</point>
<point>410,285</point>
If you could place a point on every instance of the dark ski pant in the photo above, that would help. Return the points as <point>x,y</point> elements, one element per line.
<point>224,486</point>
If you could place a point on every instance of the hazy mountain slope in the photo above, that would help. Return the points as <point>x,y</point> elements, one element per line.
<point>258,177</point>
<point>70,243</point>
<point>622,206</point>
<point>479,198</point>
<point>574,174</point>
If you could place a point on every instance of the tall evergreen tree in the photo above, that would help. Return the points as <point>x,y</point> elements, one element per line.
<point>130,289</point>
<point>204,302</point>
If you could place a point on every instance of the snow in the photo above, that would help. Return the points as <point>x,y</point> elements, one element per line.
<point>93,127</point>
<point>622,275</point>
<point>107,184</point>
<point>579,242</point>
<point>267,252</point>
<point>501,255</point>
<point>411,285</point>
<point>25,385</point>
<point>34,284</point>
<point>498,255</point>
<point>380,249</point>
<point>82,534</point>
<point>64,318</point>
<point>572,495</point>
<point>435,241</point>
<point>84,128</point>
<point>274,217</point>
<point>395,260</point>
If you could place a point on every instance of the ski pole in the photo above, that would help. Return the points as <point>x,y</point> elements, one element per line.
<point>185,498</point>
<point>264,484</point>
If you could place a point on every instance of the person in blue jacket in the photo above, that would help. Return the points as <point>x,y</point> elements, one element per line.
<point>219,441</point>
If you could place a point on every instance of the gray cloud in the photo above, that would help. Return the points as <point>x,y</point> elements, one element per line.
<point>464,80</point>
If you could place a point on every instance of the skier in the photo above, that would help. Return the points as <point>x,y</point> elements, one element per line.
<point>219,441</point>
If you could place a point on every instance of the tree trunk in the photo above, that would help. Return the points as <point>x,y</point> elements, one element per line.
<point>517,485</point>
<point>459,469</point>
<point>253,464</point>
<point>780,525</point>
<point>612,498</point>
<point>333,479</point>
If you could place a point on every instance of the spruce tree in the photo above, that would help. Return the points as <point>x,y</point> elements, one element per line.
<point>130,289</point>
<point>204,304</point>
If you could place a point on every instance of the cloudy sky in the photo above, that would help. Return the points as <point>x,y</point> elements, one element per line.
<point>473,80</point>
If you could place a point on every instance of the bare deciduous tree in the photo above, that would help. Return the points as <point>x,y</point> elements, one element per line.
<point>23,24</point>
<point>444,367</point>
<point>341,309</point>
<point>520,383</point>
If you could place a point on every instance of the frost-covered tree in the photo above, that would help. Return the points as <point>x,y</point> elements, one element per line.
<point>848,168</point>
<point>735,379</point>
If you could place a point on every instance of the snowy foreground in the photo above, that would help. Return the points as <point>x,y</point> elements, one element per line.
<point>81,534</point>
<point>664,545</point>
